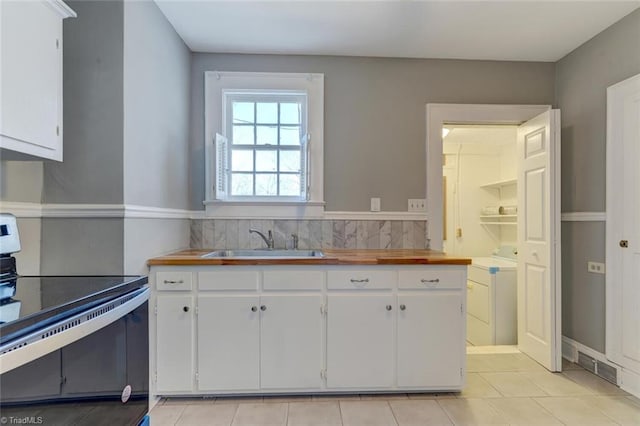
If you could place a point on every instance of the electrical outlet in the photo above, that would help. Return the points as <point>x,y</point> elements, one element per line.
<point>375,204</point>
<point>417,205</point>
<point>595,267</point>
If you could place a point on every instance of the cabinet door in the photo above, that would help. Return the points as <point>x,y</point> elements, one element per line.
<point>228,342</point>
<point>290,342</point>
<point>360,341</point>
<point>430,344</point>
<point>31,78</point>
<point>174,343</point>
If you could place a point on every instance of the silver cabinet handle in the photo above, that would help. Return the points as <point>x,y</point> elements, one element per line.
<point>388,307</point>
<point>263,308</point>
<point>353,280</point>
<point>435,280</point>
<point>254,308</point>
<point>403,307</point>
<point>174,282</point>
<point>185,308</point>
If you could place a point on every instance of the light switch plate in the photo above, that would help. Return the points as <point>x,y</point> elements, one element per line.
<point>375,204</point>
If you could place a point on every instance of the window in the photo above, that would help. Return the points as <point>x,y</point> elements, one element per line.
<point>266,145</point>
<point>264,142</point>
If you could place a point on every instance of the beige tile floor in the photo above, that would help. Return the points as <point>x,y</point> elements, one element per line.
<point>502,389</point>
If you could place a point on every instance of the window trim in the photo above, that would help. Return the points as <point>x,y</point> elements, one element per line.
<point>216,83</point>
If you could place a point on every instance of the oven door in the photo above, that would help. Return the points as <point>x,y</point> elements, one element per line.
<point>95,370</point>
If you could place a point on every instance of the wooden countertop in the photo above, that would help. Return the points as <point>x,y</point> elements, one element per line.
<point>331,257</point>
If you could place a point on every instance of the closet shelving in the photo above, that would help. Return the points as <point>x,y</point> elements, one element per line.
<point>500,219</point>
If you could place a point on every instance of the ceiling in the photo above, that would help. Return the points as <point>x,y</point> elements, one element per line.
<point>492,30</point>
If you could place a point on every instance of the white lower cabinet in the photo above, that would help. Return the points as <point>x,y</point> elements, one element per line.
<point>233,330</point>
<point>428,349</point>
<point>360,341</point>
<point>228,346</point>
<point>174,343</point>
<point>291,342</point>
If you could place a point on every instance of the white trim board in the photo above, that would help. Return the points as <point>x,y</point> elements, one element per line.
<point>129,211</point>
<point>35,210</point>
<point>338,215</point>
<point>584,217</point>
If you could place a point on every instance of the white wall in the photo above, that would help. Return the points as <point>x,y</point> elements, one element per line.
<point>147,238</point>
<point>28,259</point>
<point>156,109</point>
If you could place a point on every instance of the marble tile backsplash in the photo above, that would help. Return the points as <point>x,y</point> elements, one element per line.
<point>312,234</point>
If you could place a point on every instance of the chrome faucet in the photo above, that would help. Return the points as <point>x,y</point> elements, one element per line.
<point>267,240</point>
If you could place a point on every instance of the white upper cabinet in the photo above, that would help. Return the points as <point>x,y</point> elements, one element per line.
<point>31,77</point>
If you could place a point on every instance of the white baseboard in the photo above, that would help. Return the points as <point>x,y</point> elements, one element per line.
<point>570,350</point>
<point>629,382</point>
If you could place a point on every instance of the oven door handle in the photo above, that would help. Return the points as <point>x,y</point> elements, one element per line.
<point>53,337</point>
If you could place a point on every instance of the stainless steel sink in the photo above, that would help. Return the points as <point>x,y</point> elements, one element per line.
<point>266,254</point>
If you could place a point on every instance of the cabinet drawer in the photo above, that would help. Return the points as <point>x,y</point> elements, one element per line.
<point>360,279</point>
<point>173,280</point>
<point>293,280</point>
<point>432,277</point>
<point>228,280</point>
<point>478,300</point>
<point>478,332</point>
<point>479,275</point>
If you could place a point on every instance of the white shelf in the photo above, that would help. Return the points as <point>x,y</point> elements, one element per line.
<point>499,216</point>
<point>499,184</point>
<point>498,223</point>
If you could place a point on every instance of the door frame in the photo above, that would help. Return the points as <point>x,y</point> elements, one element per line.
<point>437,116</point>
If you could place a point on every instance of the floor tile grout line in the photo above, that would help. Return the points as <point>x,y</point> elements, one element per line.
<point>446,413</point>
<point>588,388</point>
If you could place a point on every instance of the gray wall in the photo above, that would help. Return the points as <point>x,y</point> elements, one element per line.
<point>21,181</point>
<point>375,115</point>
<point>582,78</point>
<point>126,90</point>
<point>76,246</point>
<point>92,170</point>
<point>157,67</point>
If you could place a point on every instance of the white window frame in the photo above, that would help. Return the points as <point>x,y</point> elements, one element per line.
<point>216,84</point>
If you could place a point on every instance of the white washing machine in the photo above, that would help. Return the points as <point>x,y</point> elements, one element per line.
<point>492,299</point>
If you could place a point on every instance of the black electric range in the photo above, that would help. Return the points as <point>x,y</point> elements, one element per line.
<point>28,303</point>
<point>73,349</point>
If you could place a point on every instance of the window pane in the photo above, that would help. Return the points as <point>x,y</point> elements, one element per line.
<point>289,161</point>
<point>242,135</point>
<point>290,113</point>
<point>266,161</point>
<point>267,112</point>
<point>241,184</point>
<point>241,160</point>
<point>290,135</point>
<point>267,135</point>
<point>243,112</point>
<point>289,184</point>
<point>266,184</point>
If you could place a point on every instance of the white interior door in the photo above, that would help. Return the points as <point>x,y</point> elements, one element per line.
<point>623,230</point>
<point>539,239</point>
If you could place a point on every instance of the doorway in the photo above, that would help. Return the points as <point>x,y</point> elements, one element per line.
<point>480,217</point>
<point>538,282</point>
